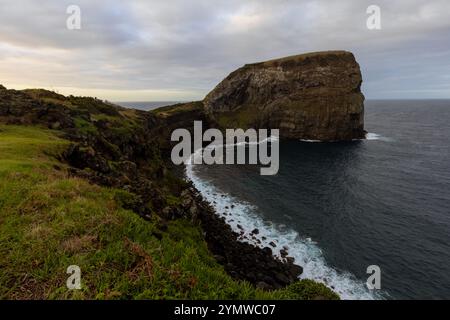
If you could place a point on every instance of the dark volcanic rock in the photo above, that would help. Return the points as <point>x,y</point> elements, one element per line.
<point>310,96</point>
<point>19,107</point>
<point>243,260</point>
<point>86,158</point>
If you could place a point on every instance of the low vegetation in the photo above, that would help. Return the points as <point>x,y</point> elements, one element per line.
<point>49,220</point>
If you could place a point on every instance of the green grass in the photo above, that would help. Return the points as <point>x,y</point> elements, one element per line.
<point>25,148</point>
<point>243,118</point>
<point>178,108</point>
<point>84,126</point>
<point>49,221</point>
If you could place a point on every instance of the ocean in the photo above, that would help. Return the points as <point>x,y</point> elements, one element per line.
<point>146,105</point>
<point>341,207</point>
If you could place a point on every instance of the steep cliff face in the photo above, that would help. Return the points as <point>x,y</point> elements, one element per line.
<point>310,96</point>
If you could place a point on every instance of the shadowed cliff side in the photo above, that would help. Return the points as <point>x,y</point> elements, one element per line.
<point>310,96</point>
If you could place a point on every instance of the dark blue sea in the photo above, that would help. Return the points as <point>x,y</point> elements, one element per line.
<point>341,207</point>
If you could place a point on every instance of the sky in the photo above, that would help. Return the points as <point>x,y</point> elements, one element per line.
<point>178,50</point>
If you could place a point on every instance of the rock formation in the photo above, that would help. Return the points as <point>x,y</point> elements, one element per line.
<point>310,96</point>
<point>128,149</point>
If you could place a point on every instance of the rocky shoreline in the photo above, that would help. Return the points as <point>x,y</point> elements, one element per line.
<point>127,149</point>
<point>241,260</point>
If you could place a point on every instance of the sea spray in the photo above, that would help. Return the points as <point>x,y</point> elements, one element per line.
<point>243,217</point>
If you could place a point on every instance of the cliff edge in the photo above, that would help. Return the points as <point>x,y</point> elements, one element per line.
<point>310,96</point>
<point>78,174</point>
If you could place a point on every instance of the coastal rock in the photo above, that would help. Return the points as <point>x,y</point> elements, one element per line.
<point>20,107</point>
<point>243,260</point>
<point>126,150</point>
<point>313,96</point>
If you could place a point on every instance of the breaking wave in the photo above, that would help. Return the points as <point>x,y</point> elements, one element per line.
<point>244,219</point>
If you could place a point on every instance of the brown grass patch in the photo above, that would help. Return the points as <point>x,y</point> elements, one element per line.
<point>39,231</point>
<point>35,205</point>
<point>144,263</point>
<point>29,288</point>
<point>79,244</point>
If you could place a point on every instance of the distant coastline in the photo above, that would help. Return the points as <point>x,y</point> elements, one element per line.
<point>146,105</point>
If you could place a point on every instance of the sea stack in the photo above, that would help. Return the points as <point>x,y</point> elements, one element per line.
<point>314,96</point>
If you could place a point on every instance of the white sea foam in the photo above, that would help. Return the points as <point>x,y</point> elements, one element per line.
<point>308,140</point>
<point>243,218</point>
<point>369,136</point>
<point>375,136</point>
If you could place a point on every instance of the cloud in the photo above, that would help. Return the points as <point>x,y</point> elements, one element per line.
<point>156,50</point>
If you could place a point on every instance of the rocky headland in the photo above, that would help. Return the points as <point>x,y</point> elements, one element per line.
<point>312,96</point>
<point>129,150</point>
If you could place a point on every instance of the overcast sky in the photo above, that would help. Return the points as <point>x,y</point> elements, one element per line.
<point>141,50</point>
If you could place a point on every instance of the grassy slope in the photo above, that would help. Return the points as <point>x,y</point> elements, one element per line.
<point>49,221</point>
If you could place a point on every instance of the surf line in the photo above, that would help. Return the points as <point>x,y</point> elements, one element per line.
<point>305,251</point>
<point>258,152</point>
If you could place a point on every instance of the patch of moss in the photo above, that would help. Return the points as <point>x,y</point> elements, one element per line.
<point>308,290</point>
<point>244,118</point>
<point>84,127</point>
<point>178,108</point>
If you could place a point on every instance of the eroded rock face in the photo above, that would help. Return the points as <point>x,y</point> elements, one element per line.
<point>311,96</point>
